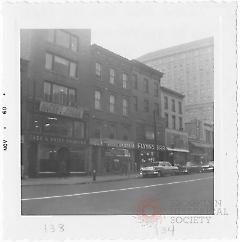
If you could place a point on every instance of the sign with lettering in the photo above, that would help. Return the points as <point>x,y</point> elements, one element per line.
<point>53,139</point>
<point>61,110</point>
<point>150,146</point>
<point>112,143</point>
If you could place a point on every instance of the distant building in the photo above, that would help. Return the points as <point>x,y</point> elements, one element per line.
<point>173,110</point>
<point>201,140</point>
<point>188,69</point>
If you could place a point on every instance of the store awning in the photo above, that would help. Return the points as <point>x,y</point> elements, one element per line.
<point>177,150</point>
<point>201,145</point>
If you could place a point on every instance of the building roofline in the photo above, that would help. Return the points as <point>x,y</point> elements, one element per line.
<point>165,89</point>
<point>176,49</point>
<point>147,68</point>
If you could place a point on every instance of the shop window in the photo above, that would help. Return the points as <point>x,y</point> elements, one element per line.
<point>112,76</point>
<point>97,100</point>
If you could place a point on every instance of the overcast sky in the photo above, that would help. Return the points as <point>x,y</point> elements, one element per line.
<point>133,30</point>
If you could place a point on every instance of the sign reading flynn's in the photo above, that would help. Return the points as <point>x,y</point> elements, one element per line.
<point>61,110</point>
<point>150,146</point>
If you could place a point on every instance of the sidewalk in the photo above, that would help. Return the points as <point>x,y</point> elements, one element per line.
<point>75,180</point>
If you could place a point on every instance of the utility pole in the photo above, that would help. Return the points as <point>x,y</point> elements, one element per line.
<point>155,135</point>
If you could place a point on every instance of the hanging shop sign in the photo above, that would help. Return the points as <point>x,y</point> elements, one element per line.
<point>112,143</point>
<point>61,110</point>
<point>54,139</point>
<point>150,146</point>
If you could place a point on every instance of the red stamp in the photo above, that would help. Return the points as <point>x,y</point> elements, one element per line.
<point>148,211</point>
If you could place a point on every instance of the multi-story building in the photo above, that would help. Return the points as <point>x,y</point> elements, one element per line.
<point>146,111</point>
<point>173,110</point>
<point>111,123</point>
<point>188,69</point>
<point>201,140</point>
<point>54,97</point>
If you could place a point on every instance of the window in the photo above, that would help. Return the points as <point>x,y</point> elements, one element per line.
<point>145,82</point>
<point>165,102</point>
<point>112,104</point>
<point>173,105</point>
<point>71,97</point>
<point>62,38</point>
<point>124,80</point>
<point>135,81</point>
<point>73,70</point>
<point>112,76</point>
<point>48,61</point>
<point>98,70</point>
<point>47,91</point>
<point>180,107</point>
<point>180,123</point>
<point>97,103</point>
<point>125,107</point>
<point>61,65</point>
<point>166,120</point>
<point>174,122</point>
<point>135,103</point>
<point>79,130</point>
<point>60,95</point>
<point>146,105</point>
<point>156,108</point>
<point>74,43</point>
<point>156,89</point>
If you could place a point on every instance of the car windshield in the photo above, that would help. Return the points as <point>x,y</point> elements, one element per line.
<point>164,163</point>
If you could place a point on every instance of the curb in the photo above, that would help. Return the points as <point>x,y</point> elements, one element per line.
<point>79,183</point>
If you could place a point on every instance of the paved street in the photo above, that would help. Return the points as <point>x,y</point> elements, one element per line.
<point>184,194</point>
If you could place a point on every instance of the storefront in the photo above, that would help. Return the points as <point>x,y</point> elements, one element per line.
<point>110,156</point>
<point>56,141</point>
<point>145,152</point>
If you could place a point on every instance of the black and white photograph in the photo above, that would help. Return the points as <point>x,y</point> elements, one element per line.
<point>122,109</point>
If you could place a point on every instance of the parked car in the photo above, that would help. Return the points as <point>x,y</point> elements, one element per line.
<point>207,167</point>
<point>193,167</point>
<point>158,168</point>
<point>182,169</point>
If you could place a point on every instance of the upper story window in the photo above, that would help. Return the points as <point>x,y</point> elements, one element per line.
<point>59,94</point>
<point>180,107</point>
<point>98,70</point>
<point>97,100</point>
<point>112,103</point>
<point>61,65</point>
<point>173,105</point>
<point>112,76</point>
<point>63,38</point>
<point>180,123</point>
<point>146,87</point>
<point>125,107</point>
<point>165,102</point>
<point>124,80</point>
<point>135,103</point>
<point>146,105</point>
<point>135,81</point>
<point>156,88</point>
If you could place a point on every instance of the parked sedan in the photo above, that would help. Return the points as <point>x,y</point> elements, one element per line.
<point>182,169</point>
<point>207,167</point>
<point>158,168</point>
<point>193,167</point>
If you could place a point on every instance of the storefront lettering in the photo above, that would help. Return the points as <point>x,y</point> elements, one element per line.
<point>61,110</point>
<point>149,146</point>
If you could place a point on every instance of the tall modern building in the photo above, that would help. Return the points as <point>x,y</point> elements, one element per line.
<point>188,69</point>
